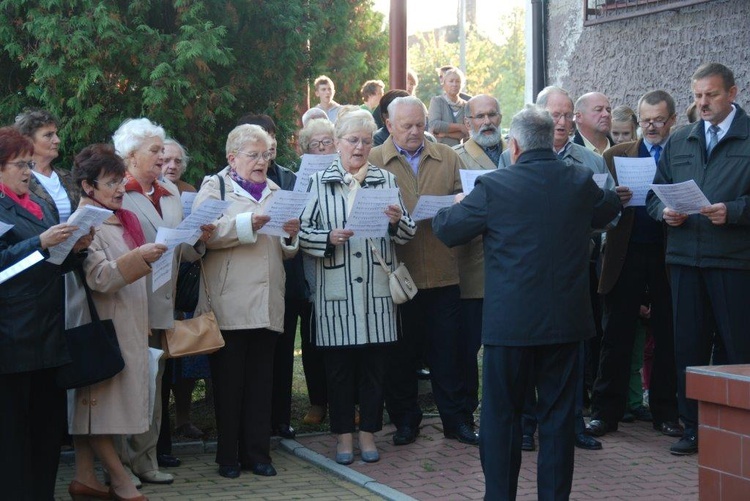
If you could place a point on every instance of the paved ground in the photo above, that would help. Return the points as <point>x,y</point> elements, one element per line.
<point>634,464</point>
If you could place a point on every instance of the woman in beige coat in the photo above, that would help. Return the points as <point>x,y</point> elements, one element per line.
<point>115,268</point>
<point>246,282</point>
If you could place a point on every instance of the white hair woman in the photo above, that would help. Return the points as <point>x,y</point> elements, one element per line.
<point>355,315</point>
<point>245,279</point>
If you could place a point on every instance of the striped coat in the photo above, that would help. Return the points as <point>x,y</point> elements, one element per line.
<point>352,299</point>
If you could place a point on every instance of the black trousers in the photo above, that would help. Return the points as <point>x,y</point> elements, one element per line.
<point>283,364</point>
<point>508,371</point>
<point>312,359</point>
<point>471,325</point>
<point>164,444</point>
<point>643,269</point>
<point>432,317</point>
<point>355,374</point>
<point>708,301</point>
<point>241,373</point>
<point>32,427</point>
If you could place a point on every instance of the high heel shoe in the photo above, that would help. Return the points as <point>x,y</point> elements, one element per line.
<point>82,492</point>
<point>120,498</point>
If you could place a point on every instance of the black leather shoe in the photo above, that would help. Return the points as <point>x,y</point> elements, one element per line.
<point>464,433</point>
<point>405,435</point>
<point>598,428</point>
<point>168,461</point>
<point>583,441</point>
<point>642,413</point>
<point>627,417</point>
<point>229,470</point>
<point>284,431</point>
<point>264,469</point>
<point>670,429</point>
<point>686,446</point>
<point>527,443</point>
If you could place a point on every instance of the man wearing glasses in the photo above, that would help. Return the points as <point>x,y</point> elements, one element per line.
<point>633,262</point>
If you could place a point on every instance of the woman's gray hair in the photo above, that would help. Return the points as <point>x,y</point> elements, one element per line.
<point>458,73</point>
<point>313,114</point>
<point>29,121</point>
<point>532,128</point>
<point>246,134</point>
<point>313,128</point>
<point>354,120</point>
<point>183,152</point>
<point>131,134</point>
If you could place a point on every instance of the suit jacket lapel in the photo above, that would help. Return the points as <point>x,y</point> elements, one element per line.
<point>144,207</point>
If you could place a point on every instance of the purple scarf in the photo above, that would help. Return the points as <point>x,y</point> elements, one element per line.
<point>254,189</point>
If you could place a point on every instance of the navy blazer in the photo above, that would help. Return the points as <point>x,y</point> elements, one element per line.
<point>536,218</point>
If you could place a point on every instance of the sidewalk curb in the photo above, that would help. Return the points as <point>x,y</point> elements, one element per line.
<point>342,471</point>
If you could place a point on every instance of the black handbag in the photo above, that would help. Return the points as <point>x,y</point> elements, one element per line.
<point>188,286</point>
<point>93,348</point>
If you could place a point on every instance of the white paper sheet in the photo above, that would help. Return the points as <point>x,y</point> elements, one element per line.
<point>685,197</point>
<point>367,218</point>
<point>428,205</point>
<point>283,206</point>
<point>601,179</point>
<point>23,265</point>
<point>187,198</point>
<point>4,227</point>
<point>309,166</point>
<point>208,212</point>
<point>468,177</point>
<point>161,269</point>
<point>637,174</point>
<point>84,217</point>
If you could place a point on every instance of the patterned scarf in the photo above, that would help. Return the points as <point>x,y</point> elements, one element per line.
<point>254,189</point>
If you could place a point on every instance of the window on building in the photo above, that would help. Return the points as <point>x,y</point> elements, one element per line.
<point>602,11</point>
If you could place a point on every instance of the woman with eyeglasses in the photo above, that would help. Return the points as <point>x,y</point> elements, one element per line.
<point>354,313</point>
<point>32,342</point>
<point>116,269</point>
<point>245,278</point>
<point>53,185</point>
<point>316,138</point>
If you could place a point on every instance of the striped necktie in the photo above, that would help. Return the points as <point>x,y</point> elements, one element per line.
<point>713,133</point>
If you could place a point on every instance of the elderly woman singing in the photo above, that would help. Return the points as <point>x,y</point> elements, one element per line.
<point>246,281</point>
<point>355,316</point>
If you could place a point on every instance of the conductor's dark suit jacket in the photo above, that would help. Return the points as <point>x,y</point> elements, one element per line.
<point>536,218</point>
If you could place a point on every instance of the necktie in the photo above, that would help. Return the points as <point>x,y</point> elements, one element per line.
<point>713,133</point>
<point>656,151</point>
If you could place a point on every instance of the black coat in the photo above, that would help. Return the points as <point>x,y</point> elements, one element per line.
<point>32,302</point>
<point>536,218</point>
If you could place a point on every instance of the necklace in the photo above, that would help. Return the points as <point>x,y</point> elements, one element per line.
<point>151,191</point>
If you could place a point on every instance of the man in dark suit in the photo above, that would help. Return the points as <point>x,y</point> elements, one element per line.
<point>633,261</point>
<point>535,218</point>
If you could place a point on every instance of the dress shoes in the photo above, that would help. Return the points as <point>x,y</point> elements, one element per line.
<point>284,431</point>
<point>464,433</point>
<point>229,470</point>
<point>156,477</point>
<point>584,441</point>
<point>345,458</point>
<point>168,461</point>
<point>405,435</point>
<point>315,415</point>
<point>686,446</point>
<point>189,430</point>
<point>82,492</point>
<point>670,429</point>
<point>528,443</point>
<point>370,456</point>
<point>598,428</point>
<point>642,413</point>
<point>263,469</point>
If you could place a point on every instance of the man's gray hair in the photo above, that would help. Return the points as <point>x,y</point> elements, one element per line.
<point>545,93</point>
<point>532,128</point>
<point>404,101</point>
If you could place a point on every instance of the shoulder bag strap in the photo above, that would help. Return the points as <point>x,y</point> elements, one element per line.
<point>90,300</point>
<point>378,256</point>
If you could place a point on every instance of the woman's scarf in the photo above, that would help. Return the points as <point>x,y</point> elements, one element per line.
<point>132,230</point>
<point>254,189</point>
<point>24,201</point>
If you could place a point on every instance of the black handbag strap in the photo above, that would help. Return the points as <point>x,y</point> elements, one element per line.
<point>90,300</point>
<point>222,186</point>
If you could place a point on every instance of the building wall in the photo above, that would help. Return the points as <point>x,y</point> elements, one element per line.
<point>624,59</point>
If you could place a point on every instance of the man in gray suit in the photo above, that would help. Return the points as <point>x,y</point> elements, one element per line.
<point>536,218</point>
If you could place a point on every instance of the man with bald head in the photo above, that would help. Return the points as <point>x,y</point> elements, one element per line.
<point>593,117</point>
<point>481,152</point>
<point>432,318</point>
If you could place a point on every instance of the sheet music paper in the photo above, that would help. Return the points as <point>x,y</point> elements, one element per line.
<point>309,166</point>
<point>601,179</point>
<point>282,207</point>
<point>685,197</point>
<point>428,205</point>
<point>84,217</point>
<point>208,212</point>
<point>187,198</point>
<point>469,177</point>
<point>367,218</point>
<point>161,269</point>
<point>637,174</point>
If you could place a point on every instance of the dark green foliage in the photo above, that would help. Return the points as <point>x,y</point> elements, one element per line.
<point>192,66</point>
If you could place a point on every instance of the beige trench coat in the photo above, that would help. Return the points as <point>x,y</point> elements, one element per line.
<point>116,276</point>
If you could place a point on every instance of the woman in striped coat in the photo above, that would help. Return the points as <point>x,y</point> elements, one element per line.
<point>356,317</point>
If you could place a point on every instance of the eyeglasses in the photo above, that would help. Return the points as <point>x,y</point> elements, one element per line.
<point>24,164</point>
<point>354,141</point>
<point>482,116</point>
<point>557,116</point>
<point>325,142</point>
<point>657,124</point>
<point>255,156</point>
<point>114,184</point>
